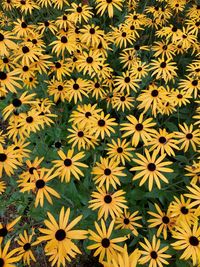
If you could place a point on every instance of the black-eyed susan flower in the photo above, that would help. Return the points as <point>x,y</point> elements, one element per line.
<point>180,97</point>
<point>105,246</point>
<point>59,235</point>
<point>77,89</point>
<point>179,208</point>
<point>91,35</point>
<point>108,203</point>
<point>151,98</point>
<point>107,173</point>
<point>40,186</point>
<point>8,258</point>
<point>120,150</point>
<point>22,29</point>
<point>17,103</point>
<point>30,121</point>
<point>109,6</point>
<point>81,138</point>
<point>165,69</point>
<point>8,160</point>
<point>64,43</point>
<point>69,165</point>
<point>126,82</point>
<point>90,62</point>
<point>9,81</point>
<point>162,220</point>
<point>80,12</point>
<point>188,137</point>
<point>8,227</point>
<point>83,114</point>
<point>164,142</point>
<point>138,128</point>
<point>57,89</point>
<point>151,168</point>
<point>122,101</point>
<point>47,25</point>
<point>153,254</point>
<point>21,150</point>
<point>128,220</point>
<point>188,240</point>
<point>102,125</point>
<point>191,85</point>
<point>25,250</point>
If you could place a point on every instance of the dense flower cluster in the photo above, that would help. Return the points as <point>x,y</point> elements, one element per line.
<point>99,126</point>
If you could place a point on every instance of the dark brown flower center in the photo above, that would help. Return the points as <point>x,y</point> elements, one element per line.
<point>107,171</point>
<point>154,93</point>
<point>60,87</point>
<point>89,60</point>
<point>75,86</point>
<point>151,167</point>
<point>16,102</point>
<point>3,157</point>
<point>184,210</point>
<point>40,184</point>
<point>27,246</point>
<point>105,242</point>
<point>163,65</point>
<point>194,241</point>
<point>101,123</point>
<point>119,150</point>
<point>67,162</point>
<point>25,49</point>
<point>126,221</point>
<point>64,40</point>
<point>88,114</point>
<point>79,9</point>
<point>165,219</point>
<point>1,37</point>
<point>3,231</point>
<point>29,119</point>
<point>80,134</point>
<point>154,254</point>
<point>60,235</point>
<point>5,60</point>
<point>162,140</point>
<point>107,199</point>
<point>25,68</point>
<point>57,65</point>
<point>58,144</point>
<point>139,127</point>
<point>127,79</point>
<point>31,169</point>
<point>23,25</point>
<point>123,34</point>
<point>189,136</point>
<point>3,75</point>
<point>179,96</point>
<point>195,83</point>
<point>1,262</point>
<point>46,24</point>
<point>92,31</point>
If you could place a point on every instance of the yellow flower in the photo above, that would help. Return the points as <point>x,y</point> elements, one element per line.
<point>108,5</point>
<point>151,168</point>
<point>153,254</point>
<point>108,203</point>
<point>104,245</point>
<point>40,186</point>
<point>59,236</point>
<point>69,165</point>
